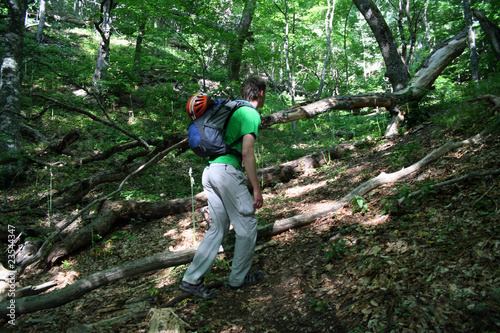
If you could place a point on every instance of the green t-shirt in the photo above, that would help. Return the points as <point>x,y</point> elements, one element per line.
<point>245,120</point>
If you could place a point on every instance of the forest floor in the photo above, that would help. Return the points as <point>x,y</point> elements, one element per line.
<point>429,265</point>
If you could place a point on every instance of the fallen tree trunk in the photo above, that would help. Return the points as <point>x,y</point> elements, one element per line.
<point>113,211</point>
<point>361,190</point>
<point>417,88</point>
<point>168,259</point>
<point>81,287</point>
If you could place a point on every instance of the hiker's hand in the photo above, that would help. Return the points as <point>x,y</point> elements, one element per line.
<point>258,199</point>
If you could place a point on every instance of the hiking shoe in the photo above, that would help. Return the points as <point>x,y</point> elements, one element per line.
<point>197,289</point>
<point>250,279</point>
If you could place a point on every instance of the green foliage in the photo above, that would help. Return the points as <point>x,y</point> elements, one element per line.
<point>318,305</point>
<point>468,119</point>
<point>405,155</point>
<point>180,52</point>
<point>359,204</point>
<point>66,264</point>
<point>334,249</point>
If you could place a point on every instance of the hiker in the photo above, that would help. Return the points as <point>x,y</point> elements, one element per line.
<point>229,199</point>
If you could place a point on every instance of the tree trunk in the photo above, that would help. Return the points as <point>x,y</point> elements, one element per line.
<point>81,287</point>
<point>41,22</point>
<point>416,89</point>
<point>138,47</point>
<point>10,97</point>
<point>330,12</point>
<point>491,30</point>
<point>104,29</point>
<point>396,69</point>
<point>472,42</point>
<point>242,33</point>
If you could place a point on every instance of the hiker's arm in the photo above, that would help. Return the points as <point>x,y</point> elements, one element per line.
<point>251,168</point>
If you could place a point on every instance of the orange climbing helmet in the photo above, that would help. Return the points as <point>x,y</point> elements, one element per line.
<point>197,105</point>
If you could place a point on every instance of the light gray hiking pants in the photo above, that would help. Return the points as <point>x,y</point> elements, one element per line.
<point>229,201</point>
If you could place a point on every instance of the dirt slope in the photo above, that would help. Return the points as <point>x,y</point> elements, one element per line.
<point>428,265</point>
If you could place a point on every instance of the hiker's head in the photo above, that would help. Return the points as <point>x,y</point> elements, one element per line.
<point>197,105</point>
<point>254,89</point>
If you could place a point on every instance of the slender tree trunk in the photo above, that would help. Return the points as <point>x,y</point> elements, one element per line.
<point>401,16</point>
<point>10,91</point>
<point>41,22</point>
<point>472,41</point>
<point>242,33</point>
<point>138,47</point>
<point>104,29</point>
<point>491,30</point>
<point>396,69</point>
<point>345,50</point>
<point>328,30</point>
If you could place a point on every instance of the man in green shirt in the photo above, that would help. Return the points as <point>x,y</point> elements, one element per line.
<point>229,200</point>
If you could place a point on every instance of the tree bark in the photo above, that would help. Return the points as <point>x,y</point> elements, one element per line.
<point>65,17</point>
<point>474,62</point>
<point>422,81</point>
<point>235,53</point>
<point>330,12</point>
<point>138,47</point>
<point>491,30</point>
<point>12,42</point>
<point>104,29</point>
<point>396,69</point>
<point>41,21</point>
<point>81,287</point>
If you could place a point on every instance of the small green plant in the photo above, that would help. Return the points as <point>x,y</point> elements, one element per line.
<point>317,305</point>
<point>67,264</point>
<point>334,249</point>
<point>94,251</point>
<point>120,235</point>
<point>359,204</point>
<point>192,204</point>
<point>222,263</point>
<point>205,305</point>
<point>153,290</point>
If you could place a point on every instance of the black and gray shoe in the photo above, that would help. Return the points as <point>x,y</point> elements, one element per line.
<point>197,289</point>
<point>250,280</point>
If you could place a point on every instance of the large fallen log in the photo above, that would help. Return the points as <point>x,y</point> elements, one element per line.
<point>81,287</point>
<point>420,84</point>
<point>168,259</point>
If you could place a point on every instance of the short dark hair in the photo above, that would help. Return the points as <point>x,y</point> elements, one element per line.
<point>251,88</point>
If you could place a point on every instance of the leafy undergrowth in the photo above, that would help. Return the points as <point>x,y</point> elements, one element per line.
<point>427,265</point>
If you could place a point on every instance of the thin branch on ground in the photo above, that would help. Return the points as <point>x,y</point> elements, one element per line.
<point>452,181</point>
<point>73,218</point>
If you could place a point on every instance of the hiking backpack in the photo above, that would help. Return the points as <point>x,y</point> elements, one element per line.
<point>206,133</point>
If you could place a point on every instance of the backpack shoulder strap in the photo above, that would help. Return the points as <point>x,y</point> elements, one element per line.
<point>233,106</point>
